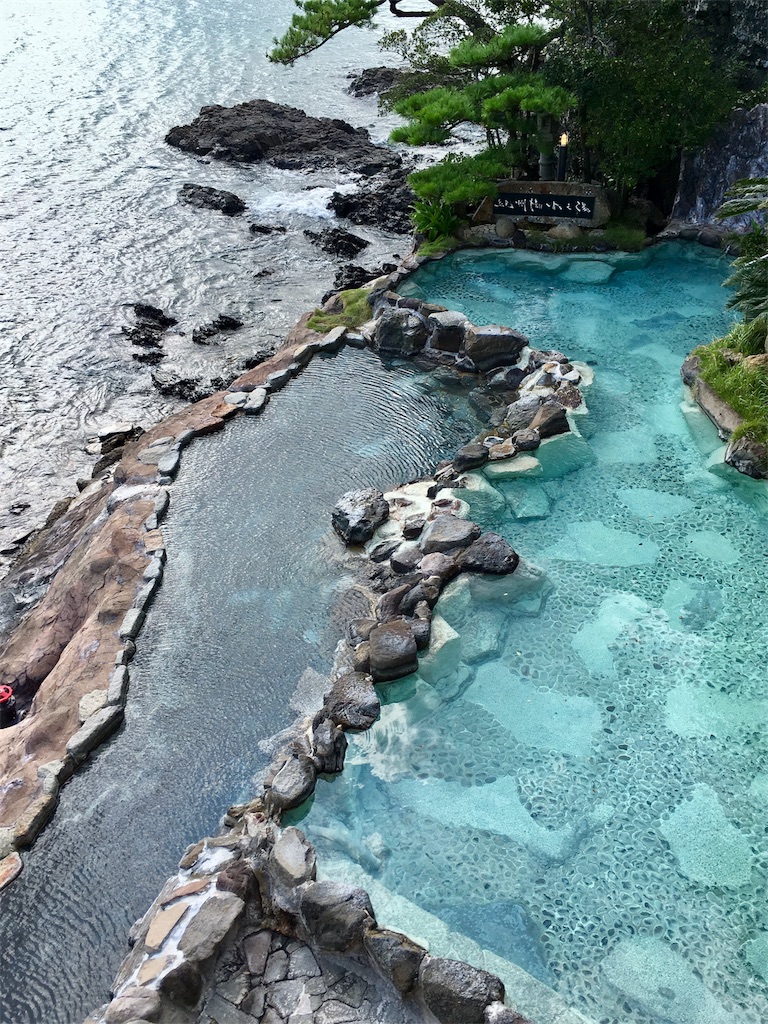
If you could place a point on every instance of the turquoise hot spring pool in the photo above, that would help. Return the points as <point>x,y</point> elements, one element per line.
<point>576,782</point>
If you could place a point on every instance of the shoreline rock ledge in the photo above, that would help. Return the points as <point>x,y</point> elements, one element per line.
<point>285,136</point>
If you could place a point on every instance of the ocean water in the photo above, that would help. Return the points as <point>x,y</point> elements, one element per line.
<point>255,592</point>
<point>89,220</point>
<point>575,782</point>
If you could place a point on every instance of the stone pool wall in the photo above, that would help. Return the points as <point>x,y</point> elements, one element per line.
<point>110,538</point>
<point>244,931</point>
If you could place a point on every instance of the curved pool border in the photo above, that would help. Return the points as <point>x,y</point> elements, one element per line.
<point>111,533</point>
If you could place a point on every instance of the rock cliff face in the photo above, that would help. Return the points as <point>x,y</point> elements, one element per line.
<point>739,29</point>
<point>736,151</point>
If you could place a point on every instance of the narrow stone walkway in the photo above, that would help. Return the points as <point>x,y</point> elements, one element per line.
<point>273,979</point>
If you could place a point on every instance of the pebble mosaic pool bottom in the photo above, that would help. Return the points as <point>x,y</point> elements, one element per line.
<point>579,782</point>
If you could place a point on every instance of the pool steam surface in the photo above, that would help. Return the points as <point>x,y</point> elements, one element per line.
<point>579,783</point>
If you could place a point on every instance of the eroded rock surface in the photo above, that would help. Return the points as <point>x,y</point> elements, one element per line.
<point>285,136</point>
<point>357,514</point>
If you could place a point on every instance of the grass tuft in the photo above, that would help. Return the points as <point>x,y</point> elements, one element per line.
<point>446,243</point>
<point>355,312</point>
<point>744,388</point>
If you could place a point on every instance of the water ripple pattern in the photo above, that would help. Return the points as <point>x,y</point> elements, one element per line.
<point>579,781</point>
<point>250,599</point>
<point>89,220</point>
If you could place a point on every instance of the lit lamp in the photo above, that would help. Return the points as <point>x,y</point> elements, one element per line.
<point>562,157</point>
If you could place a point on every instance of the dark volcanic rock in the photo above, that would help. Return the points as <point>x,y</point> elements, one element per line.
<point>286,137</point>
<point>293,783</point>
<point>267,229</point>
<point>222,323</point>
<point>338,242</point>
<point>493,345</point>
<point>490,553</point>
<point>384,203</point>
<point>520,414</point>
<point>392,651</point>
<point>526,440</point>
<point>470,457</point>
<point>447,330</point>
<point>446,532</point>
<point>550,419</point>
<point>749,457</point>
<point>153,315</point>
<point>357,514</point>
<point>207,198</point>
<point>150,356</point>
<point>144,335</point>
<point>353,702</point>
<point>401,331</point>
<point>336,915</point>
<point>373,80</point>
<point>353,276</point>
<point>396,956</point>
<point>457,993</point>
<point>192,389</point>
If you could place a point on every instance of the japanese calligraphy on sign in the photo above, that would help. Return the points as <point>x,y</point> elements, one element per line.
<point>529,205</point>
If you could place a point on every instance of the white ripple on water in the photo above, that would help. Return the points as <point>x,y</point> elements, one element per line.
<point>90,221</point>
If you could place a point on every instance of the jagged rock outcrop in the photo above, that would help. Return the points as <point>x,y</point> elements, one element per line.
<point>735,151</point>
<point>285,136</point>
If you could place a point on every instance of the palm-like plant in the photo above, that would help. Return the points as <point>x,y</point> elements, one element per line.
<point>748,195</point>
<point>750,271</point>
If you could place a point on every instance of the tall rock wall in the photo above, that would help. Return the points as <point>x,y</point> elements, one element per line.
<point>739,150</point>
<point>739,31</point>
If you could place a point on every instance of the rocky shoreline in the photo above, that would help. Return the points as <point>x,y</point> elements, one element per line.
<point>102,562</point>
<point>405,576</point>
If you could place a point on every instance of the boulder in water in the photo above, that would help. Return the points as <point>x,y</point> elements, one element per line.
<point>207,198</point>
<point>446,532</point>
<point>490,553</point>
<point>493,345</point>
<point>401,331</point>
<point>338,242</point>
<point>357,515</point>
<point>285,136</point>
<point>393,651</point>
<point>457,993</point>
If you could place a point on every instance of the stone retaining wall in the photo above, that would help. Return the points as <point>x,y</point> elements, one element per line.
<point>255,883</point>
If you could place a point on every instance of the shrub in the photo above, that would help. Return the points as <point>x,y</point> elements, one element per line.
<point>435,219</point>
<point>630,239</point>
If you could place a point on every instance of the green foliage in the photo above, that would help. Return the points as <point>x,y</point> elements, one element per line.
<point>318,22</point>
<point>745,389</point>
<point>355,312</point>
<point>624,236</point>
<point>748,195</point>
<point>467,179</point>
<point>438,246</point>
<point>435,219</point>
<point>750,270</point>
<point>505,50</point>
<point>750,279</point>
<point>497,92</point>
<point>753,243</point>
<point>748,338</point>
<point>647,86</point>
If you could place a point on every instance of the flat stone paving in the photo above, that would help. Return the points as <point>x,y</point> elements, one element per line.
<point>274,979</point>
